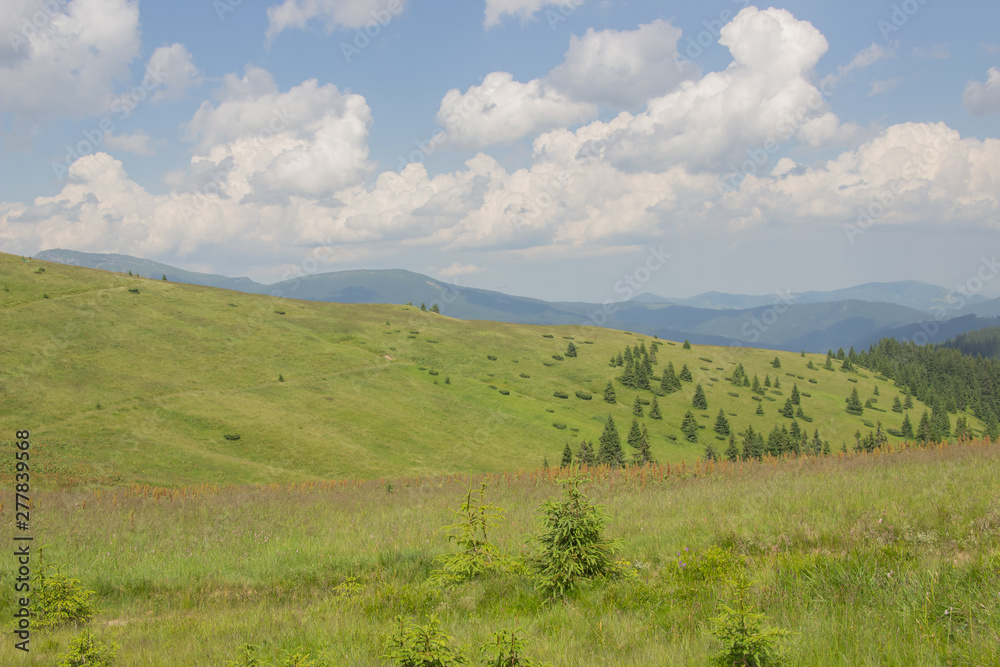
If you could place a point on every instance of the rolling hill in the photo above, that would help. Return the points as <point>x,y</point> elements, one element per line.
<point>131,379</point>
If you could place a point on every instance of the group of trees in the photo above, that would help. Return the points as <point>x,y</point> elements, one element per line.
<point>782,440</point>
<point>609,451</point>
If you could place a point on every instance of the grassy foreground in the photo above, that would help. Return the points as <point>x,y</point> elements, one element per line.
<point>871,559</point>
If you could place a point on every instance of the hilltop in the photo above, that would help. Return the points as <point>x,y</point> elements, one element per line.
<point>127,379</point>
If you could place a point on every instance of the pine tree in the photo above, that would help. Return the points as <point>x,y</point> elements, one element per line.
<point>992,430</point>
<point>810,365</point>
<point>760,408</point>
<point>699,401</point>
<point>799,413</point>
<point>654,412</point>
<point>652,353</point>
<point>586,455</point>
<point>423,307</point>
<point>669,383</point>
<point>628,378</point>
<point>613,364</point>
<point>962,430</point>
<point>687,345</point>
<point>767,380</point>
<point>644,455</point>
<point>816,447</point>
<point>628,354</point>
<point>756,388</point>
<point>571,350</point>
<point>435,308</point>
<point>854,403</point>
<point>641,376</point>
<point>788,410</point>
<point>721,423</point>
<point>732,452</point>
<point>924,432</point>
<point>897,406</point>
<point>609,393</point>
<point>795,394</point>
<point>637,408</point>
<point>635,435</point>
<point>753,444</point>
<point>685,374</point>
<point>777,383</point>
<point>776,363</point>
<point>689,427</point>
<point>907,428</point>
<point>710,453</point>
<point>610,449</point>
<point>908,402</point>
<point>619,361</point>
<point>875,391</point>
<point>738,375</point>
<point>567,457</point>
<point>940,422</point>
<point>829,363</point>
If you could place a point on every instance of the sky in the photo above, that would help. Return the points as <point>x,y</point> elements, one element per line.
<point>546,148</point>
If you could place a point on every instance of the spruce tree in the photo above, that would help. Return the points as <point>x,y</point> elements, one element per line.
<point>586,455</point>
<point>644,455</point>
<point>753,444</point>
<point>795,394</point>
<point>788,410</point>
<point>629,378</point>
<point>687,345</point>
<point>654,412</point>
<point>567,457</point>
<point>635,435</point>
<point>619,361</point>
<point>756,388</point>
<point>685,374</point>
<point>732,452</point>
<point>609,393</point>
<point>628,354</point>
<point>767,380</point>
<point>669,383</point>
<point>776,363</point>
<point>992,430</point>
<point>925,433</point>
<point>940,422</point>
<point>897,406</point>
<point>710,453</point>
<point>777,383</point>
<point>435,308</point>
<point>829,363</point>
<point>962,430</point>
<point>699,402</point>
<point>652,354</point>
<point>907,428</point>
<point>908,402</point>
<point>854,403</point>
<point>721,423</point>
<point>610,450</point>
<point>760,408</point>
<point>637,408</point>
<point>689,427</point>
<point>641,376</point>
<point>571,350</point>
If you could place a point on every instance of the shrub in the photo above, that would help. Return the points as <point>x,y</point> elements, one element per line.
<point>525,375</point>
<point>491,357</point>
<point>57,598</point>
<point>559,425</point>
<point>84,650</point>
<point>557,357</point>
<point>560,394</point>
<point>133,290</point>
<point>573,546</point>
<point>505,392</point>
<point>478,555</point>
<point>745,640</point>
<point>547,336</point>
<point>432,372</point>
<point>584,395</point>
<point>421,646</point>
<point>231,436</point>
<point>504,650</point>
<point>278,312</point>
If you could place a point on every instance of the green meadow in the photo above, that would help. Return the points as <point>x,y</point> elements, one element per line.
<point>224,470</point>
<point>122,379</point>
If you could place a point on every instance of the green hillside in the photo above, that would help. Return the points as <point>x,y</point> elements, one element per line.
<point>123,379</point>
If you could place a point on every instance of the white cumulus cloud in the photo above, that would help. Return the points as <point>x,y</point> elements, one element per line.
<point>332,13</point>
<point>525,9</point>
<point>137,142</point>
<point>175,70</point>
<point>983,98</point>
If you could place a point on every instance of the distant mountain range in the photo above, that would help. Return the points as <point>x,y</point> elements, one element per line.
<point>810,321</point>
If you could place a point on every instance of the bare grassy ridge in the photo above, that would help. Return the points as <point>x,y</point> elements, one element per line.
<point>873,559</point>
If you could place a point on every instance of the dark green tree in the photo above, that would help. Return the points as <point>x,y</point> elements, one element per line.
<point>760,408</point>
<point>940,422</point>
<point>710,453</point>
<point>756,388</point>
<point>721,423</point>
<point>732,452</point>
<point>962,430</point>
<point>767,380</point>
<point>435,308</point>
<point>689,427</point>
<point>586,454</point>
<point>776,363</point>
<point>619,361</point>
<point>925,432</point>
<point>829,363</point>
<point>699,402</point>
<point>669,383</point>
<point>643,455</point>
<point>908,402</point>
<point>685,374</point>
<point>654,412</point>
<point>637,408</point>
<point>788,410</point>
<point>423,307</point>
<point>777,383</point>
<point>571,350</point>
<point>907,428</point>
<point>854,403</point>
<point>687,345</point>
<point>897,405</point>
<point>609,393</point>
<point>795,394</point>
<point>992,430</point>
<point>567,457</point>
<point>610,449</point>
<point>753,444</point>
<point>634,434</point>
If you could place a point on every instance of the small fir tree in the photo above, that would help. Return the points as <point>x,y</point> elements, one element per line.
<point>609,393</point>
<point>721,423</point>
<point>610,448</point>
<point>637,408</point>
<point>685,374</point>
<point>689,427</point>
<point>699,402</point>
<point>654,412</point>
<point>571,350</point>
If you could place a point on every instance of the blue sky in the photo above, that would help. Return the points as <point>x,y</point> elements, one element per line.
<point>539,148</point>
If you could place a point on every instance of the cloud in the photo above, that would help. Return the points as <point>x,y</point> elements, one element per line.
<point>622,68</point>
<point>983,98</point>
<point>526,9</point>
<point>333,14</point>
<point>175,70</point>
<point>501,111</point>
<point>457,269</point>
<point>861,59</point>
<point>138,142</point>
<point>935,52</point>
<point>764,97</point>
<point>880,86</point>
<point>310,140</point>
<point>70,62</point>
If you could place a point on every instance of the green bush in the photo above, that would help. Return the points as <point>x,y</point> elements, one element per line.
<point>422,646</point>
<point>504,650</point>
<point>559,425</point>
<point>505,392</point>
<point>491,357</point>
<point>85,651</point>
<point>231,436</point>
<point>525,376</point>
<point>557,357</point>
<point>573,546</point>
<point>744,638</point>
<point>477,555</point>
<point>560,394</point>
<point>59,599</point>
<point>584,395</point>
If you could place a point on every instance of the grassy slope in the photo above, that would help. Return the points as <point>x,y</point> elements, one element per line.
<point>870,560</point>
<point>175,367</point>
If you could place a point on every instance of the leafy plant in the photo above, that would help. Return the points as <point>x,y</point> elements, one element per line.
<point>422,646</point>
<point>85,650</point>
<point>573,546</point>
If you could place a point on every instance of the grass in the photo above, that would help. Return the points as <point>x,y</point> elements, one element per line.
<point>120,387</point>
<point>871,559</point>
